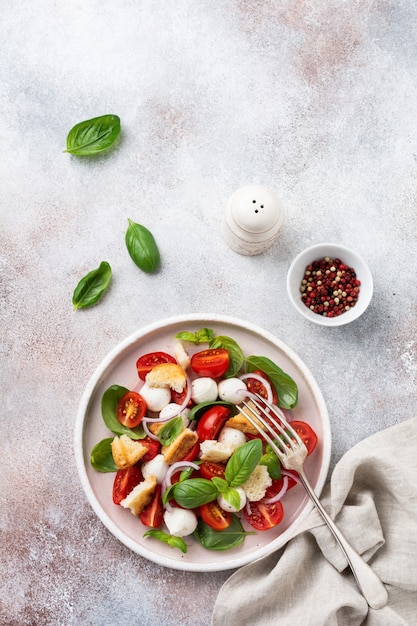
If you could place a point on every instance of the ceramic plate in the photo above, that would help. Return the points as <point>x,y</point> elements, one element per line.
<point>119,367</point>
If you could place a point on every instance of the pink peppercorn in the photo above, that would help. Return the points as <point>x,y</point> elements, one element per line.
<point>329,287</point>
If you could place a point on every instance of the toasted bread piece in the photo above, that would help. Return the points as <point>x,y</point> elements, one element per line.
<point>155,427</point>
<point>167,375</point>
<point>257,483</point>
<point>216,451</point>
<point>180,354</point>
<point>127,452</point>
<point>180,446</point>
<point>140,496</point>
<point>240,422</point>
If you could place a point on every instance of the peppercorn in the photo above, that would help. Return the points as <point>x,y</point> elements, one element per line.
<point>320,287</point>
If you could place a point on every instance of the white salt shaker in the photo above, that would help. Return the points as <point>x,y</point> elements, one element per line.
<point>252,219</point>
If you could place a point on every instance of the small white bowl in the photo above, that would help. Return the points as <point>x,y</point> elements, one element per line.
<point>348,257</point>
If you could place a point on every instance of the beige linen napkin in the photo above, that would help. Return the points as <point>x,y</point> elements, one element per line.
<point>372,496</point>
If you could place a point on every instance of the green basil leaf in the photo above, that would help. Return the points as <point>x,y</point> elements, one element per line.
<point>93,136</point>
<point>231,495</point>
<point>236,357</point>
<point>204,335</point>
<point>198,410</point>
<point>194,492</point>
<point>101,457</point>
<point>242,462</point>
<point>92,287</point>
<point>221,484</point>
<point>285,386</point>
<point>174,542</point>
<point>226,539</point>
<point>271,461</point>
<point>170,431</point>
<point>109,403</point>
<point>142,247</point>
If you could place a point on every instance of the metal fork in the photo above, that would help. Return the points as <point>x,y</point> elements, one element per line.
<point>292,452</point>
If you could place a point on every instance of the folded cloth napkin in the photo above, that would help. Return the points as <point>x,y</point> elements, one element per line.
<point>372,496</point>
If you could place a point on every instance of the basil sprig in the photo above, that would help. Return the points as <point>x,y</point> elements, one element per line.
<point>142,247</point>
<point>101,457</point>
<point>170,431</point>
<point>230,537</point>
<point>204,335</point>
<point>93,136</point>
<point>285,386</point>
<point>109,403</point>
<point>92,286</point>
<point>174,542</point>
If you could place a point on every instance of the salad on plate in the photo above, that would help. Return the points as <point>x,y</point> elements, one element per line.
<point>186,459</point>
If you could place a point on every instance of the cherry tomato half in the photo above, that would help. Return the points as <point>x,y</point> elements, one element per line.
<point>211,422</point>
<point>153,449</point>
<point>124,481</point>
<point>276,486</point>
<point>193,453</point>
<point>214,516</point>
<point>131,409</point>
<point>209,469</point>
<point>153,514</point>
<point>264,516</point>
<point>255,386</point>
<point>146,362</point>
<point>179,396</point>
<point>307,434</point>
<point>211,363</point>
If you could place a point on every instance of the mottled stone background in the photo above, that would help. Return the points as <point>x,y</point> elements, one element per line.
<point>314,98</point>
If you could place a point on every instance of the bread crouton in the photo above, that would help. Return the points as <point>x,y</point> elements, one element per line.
<point>180,446</point>
<point>216,451</point>
<point>167,375</point>
<point>140,496</point>
<point>126,452</point>
<point>180,354</point>
<point>257,483</point>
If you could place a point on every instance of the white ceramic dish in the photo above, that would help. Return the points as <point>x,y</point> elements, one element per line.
<point>119,368</point>
<point>347,256</point>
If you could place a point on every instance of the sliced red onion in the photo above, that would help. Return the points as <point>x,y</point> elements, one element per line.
<point>261,380</point>
<point>175,467</point>
<point>285,473</point>
<point>280,493</point>
<point>147,431</point>
<point>248,509</point>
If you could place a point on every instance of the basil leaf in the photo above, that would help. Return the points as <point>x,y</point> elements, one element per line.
<point>109,403</point>
<point>174,542</point>
<point>93,136</point>
<point>142,247</point>
<point>204,335</point>
<point>198,410</point>
<point>92,287</point>
<point>242,462</point>
<point>221,484</point>
<point>231,495</point>
<point>271,461</point>
<point>285,386</point>
<point>226,539</point>
<point>194,492</point>
<point>170,431</point>
<point>236,357</point>
<point>101,457</point>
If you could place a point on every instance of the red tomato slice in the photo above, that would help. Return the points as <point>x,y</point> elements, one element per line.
<point>179,396</point>
<point>153,514</point>
<point>212,363</point>
<point>124,481</point>
<point>264,516</point>
<point>211,422</point>
<point>153,449</point>
<point>307,434</point>
<point>214,516</point>
<point>146,362</point>
<point>255,386</point>
<point>276,486</point>
<point>193,453</point>
<point>131,409</point>
<point>209,469</point>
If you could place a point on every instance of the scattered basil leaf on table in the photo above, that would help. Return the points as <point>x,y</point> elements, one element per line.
<point>109,403</point>
<point>92,286</point>
<point>230,537</point>
<point>142,247</point>
<point>101,456</point>
<point>285,386</point>
<point>93,136</point>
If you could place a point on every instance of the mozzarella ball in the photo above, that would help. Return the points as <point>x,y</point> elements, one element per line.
<point>180,522</point>
<point>156,467</point>
<point>226,506</point>
<point>171,410</point>
<point>156,398</point>
<point>230,390</point>
<point>204,390</point>
<point>232,437</point>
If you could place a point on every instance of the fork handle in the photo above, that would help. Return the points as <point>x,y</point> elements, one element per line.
<point>368,582</point>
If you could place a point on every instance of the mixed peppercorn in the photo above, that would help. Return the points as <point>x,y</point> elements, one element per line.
<point>329,287</point>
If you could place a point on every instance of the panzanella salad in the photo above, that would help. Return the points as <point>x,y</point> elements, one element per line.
<point>186,459</point>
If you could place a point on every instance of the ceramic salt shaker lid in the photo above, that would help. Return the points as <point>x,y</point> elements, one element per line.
<point>252,219</point>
